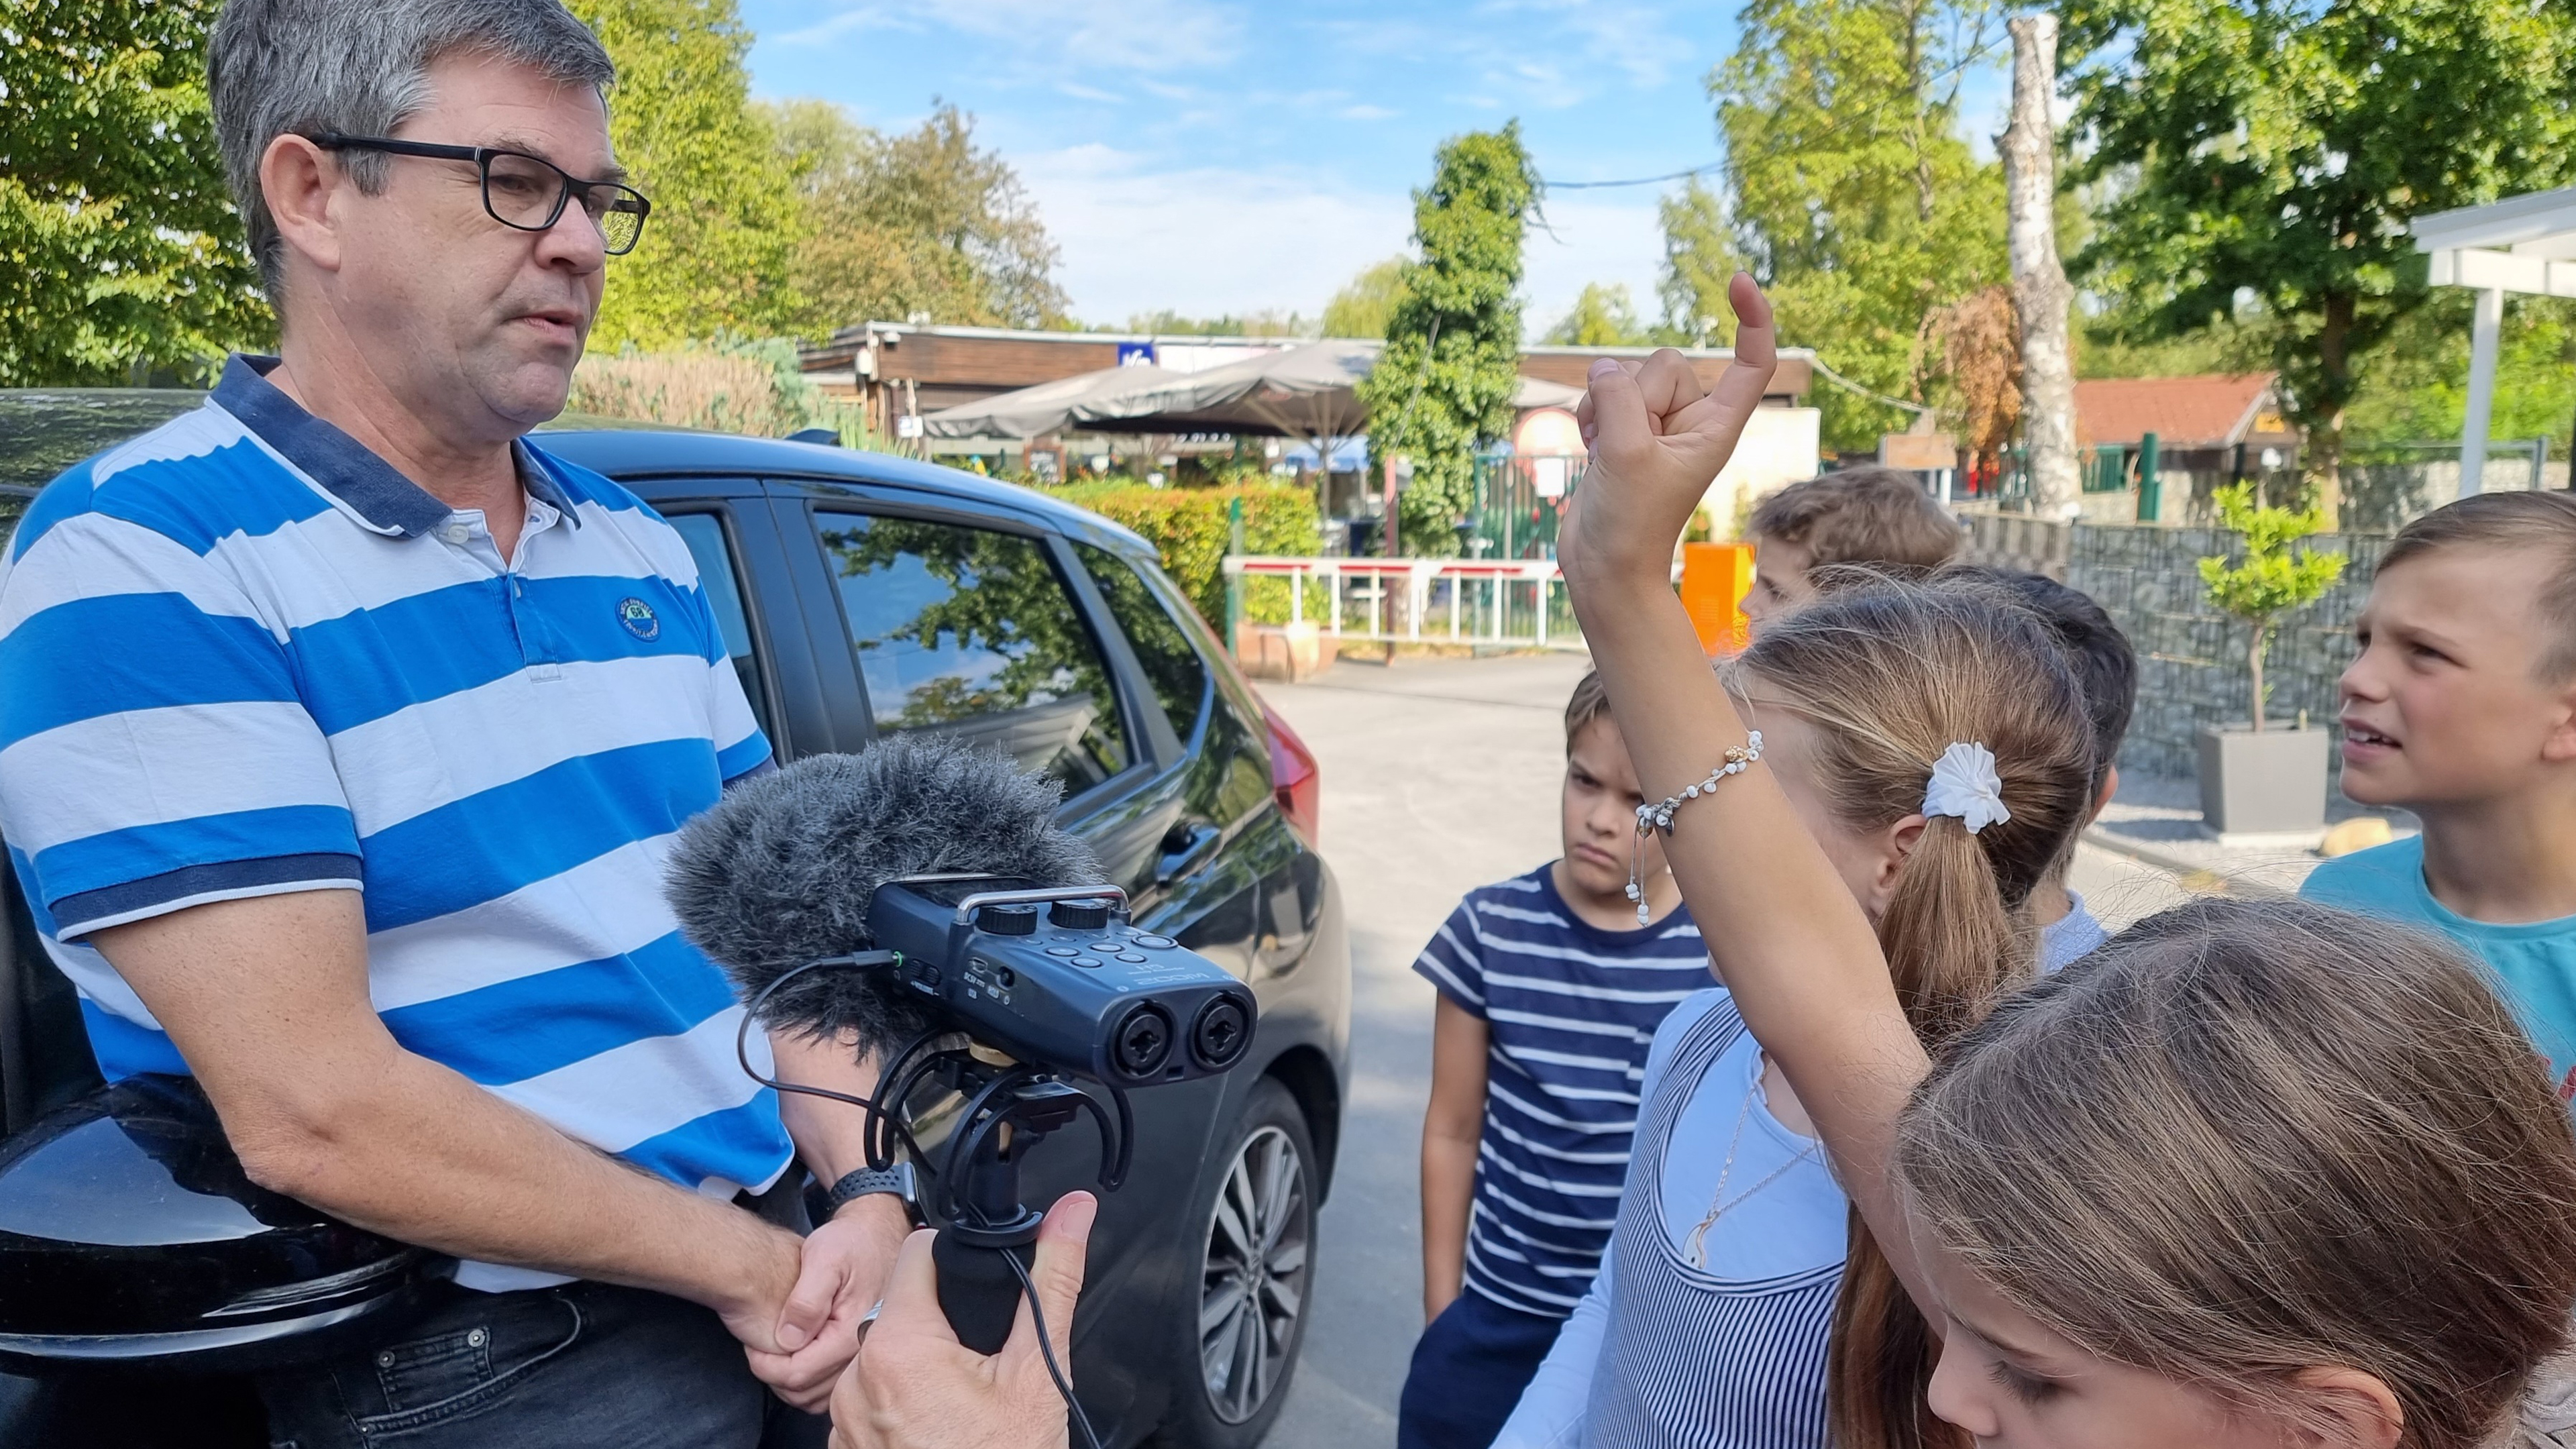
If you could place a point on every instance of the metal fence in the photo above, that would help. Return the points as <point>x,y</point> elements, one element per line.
<point>1518,503</point>
<point>1518,603</point>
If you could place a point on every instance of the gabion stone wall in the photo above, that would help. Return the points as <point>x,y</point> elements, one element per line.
<point>2191,657</point>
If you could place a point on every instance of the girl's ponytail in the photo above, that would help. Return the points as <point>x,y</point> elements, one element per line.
<point>1954,950</point>
<point>1893,676</point>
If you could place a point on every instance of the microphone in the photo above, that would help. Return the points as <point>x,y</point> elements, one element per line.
<point>977,915</point>
<point>783,870</point>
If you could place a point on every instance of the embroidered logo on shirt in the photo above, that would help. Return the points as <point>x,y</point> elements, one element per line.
<point>639,619</point>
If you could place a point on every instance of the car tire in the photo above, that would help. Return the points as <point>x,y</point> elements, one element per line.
<point>1234,1356</point>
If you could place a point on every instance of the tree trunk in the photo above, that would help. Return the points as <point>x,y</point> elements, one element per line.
<point>2254,669</point>
<point>2325,438</point>
<point>2041,295</point>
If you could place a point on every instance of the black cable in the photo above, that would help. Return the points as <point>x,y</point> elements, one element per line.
<point>1046,1347</point>
<point>865,960</point>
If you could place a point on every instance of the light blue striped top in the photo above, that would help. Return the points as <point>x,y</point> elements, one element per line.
<point>1726,1352</point>
<point>242,656</point>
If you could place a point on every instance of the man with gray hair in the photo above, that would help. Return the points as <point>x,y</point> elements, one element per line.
<point>346,736</point>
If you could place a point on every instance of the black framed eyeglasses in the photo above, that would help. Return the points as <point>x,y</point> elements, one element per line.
<point>521,191</point>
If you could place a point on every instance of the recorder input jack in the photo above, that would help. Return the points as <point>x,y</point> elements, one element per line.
<point>1218,1037</point>
<point>1142,1042</point>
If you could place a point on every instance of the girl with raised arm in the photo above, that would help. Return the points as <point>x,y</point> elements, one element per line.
<point>1732,1231</point>
<point>2253,1174</point>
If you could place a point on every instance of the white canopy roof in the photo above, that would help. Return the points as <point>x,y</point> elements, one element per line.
<point>2524,244</point>
<point>1306,392</point>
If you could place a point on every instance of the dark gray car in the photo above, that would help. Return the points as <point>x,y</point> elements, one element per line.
<point>863,594</point>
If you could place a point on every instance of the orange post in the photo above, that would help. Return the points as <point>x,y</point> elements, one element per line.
<point>1715,579</point>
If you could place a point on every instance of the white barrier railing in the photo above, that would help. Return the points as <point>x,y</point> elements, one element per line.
<point>1516,602</point>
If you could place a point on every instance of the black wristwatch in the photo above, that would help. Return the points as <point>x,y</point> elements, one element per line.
<point>896,1179</point>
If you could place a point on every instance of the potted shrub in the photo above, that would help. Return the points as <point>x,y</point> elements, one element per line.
<point>2265,777</point>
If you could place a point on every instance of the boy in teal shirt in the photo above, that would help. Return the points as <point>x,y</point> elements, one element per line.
<point>2462,708</point>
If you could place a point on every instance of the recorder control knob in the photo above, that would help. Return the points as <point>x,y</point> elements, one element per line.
<point>1081,915</point>
<point>1007,920</point>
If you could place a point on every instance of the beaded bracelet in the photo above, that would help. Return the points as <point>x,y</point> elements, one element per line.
<point>1651,818</point>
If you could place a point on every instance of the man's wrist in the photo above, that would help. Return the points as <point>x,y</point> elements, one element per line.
<point>882,1208</point>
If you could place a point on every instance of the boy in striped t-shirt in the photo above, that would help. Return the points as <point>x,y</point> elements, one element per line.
<point>1550,993</point>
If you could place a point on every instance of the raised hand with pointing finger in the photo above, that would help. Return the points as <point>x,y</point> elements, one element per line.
<point>1658,440</point>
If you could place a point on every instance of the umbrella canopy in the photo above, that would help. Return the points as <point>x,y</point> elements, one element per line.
<point>1303,392</point>
<point>1032,411</point>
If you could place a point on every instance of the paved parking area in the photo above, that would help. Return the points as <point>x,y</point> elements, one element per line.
<point>1439,775</point>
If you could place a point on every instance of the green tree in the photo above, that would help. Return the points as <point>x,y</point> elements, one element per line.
<point>1602,316</point>
<point>1857,201</point>
<point>1269,322</point>
<point>725,213</point>
<point>1443,385</point>
<point>2418,389</point>
<point>921,226</point>
<point>1700,258</point>
<point>1361,308</point>
<point>2272,579</point>
<point>121,257</point>
<point>2278,148</point>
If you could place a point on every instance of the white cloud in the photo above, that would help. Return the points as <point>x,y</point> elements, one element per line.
<point>1542,54</point>
<point>1206,241</point>
<point>1366,112</point>
<point>1128,35</point>
<point>1629,38</point>
<point>1610,242</point>
<point>1203,240</point>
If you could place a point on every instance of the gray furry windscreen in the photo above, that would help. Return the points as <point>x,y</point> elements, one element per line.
<point>781,871</point>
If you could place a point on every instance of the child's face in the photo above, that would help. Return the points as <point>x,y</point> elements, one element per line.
<point>2013,1383</point>
<point>2442,706</point>
<point>1779,580</point>
<point>1867,860</point>
<point>1601,800</point>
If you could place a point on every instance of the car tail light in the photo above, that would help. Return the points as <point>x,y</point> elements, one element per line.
<point>1294,778</point>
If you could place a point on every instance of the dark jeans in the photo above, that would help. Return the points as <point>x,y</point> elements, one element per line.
<point>583,1366</point>
<point>1468,1373</point>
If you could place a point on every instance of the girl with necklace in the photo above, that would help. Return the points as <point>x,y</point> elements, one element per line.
<point>1899,719</point>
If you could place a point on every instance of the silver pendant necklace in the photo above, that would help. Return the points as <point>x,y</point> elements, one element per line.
<point>1719,1204</point>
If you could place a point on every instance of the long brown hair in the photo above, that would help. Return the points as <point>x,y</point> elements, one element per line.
<point>1891,675</point>
<point>2246,1138</point>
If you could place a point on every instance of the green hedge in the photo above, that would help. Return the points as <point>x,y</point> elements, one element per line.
<point>1190,526</point>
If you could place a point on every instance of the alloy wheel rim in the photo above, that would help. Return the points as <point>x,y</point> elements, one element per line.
<point>1254,1287</point>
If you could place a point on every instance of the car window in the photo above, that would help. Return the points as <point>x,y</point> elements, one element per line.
<point>1231,777</point>
<point>971,631</point>
<point>1174,670</point>
<point>704,533</point>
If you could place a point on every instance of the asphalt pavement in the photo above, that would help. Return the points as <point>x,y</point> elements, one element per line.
<point>1439,775</point>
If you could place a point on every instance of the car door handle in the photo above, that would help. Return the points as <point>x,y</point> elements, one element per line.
<point>1185,849</point>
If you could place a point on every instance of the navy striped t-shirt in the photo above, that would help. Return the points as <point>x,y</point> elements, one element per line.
<point>1570,1010</point>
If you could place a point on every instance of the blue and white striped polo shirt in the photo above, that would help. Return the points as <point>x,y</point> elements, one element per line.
<point>241,656</point>
<point>1570,1010</point>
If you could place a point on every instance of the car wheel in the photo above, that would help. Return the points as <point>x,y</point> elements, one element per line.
<point>1256,1263</point>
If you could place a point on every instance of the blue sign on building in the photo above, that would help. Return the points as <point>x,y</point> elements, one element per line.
<point>1135,354</point>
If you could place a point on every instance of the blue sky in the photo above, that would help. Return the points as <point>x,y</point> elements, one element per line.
<point>1212,156</point>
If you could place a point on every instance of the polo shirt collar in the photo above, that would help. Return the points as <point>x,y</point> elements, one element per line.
<point>345,468</point>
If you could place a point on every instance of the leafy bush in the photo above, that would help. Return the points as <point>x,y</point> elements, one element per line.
<point>1192,528</point>
<point>2272,580</point>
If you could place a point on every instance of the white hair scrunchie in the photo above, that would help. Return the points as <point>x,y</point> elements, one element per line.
<point>1964,784</point>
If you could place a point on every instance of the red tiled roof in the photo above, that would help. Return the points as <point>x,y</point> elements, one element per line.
<point>2183,412</point>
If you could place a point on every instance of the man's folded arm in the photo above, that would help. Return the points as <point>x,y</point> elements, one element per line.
<point>266,999</point>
